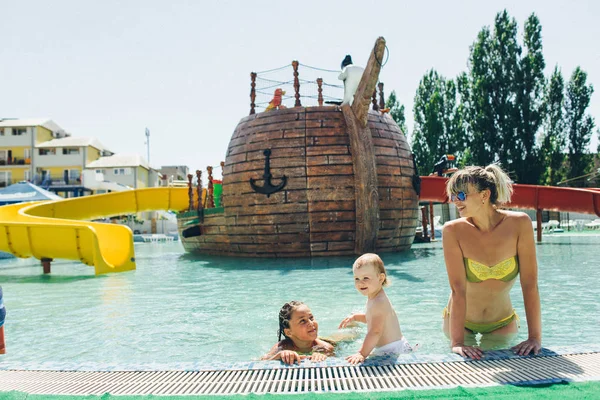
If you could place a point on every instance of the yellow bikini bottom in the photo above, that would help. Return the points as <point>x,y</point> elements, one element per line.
<point>488,327</point>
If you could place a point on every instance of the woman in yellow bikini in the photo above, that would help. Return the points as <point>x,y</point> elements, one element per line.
<point>485,250</point>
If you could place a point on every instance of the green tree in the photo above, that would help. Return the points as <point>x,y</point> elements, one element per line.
<point>579,124</point>
<point>396,111</point>
<point>470,140</point>
<point>505,69</point>
<point>554,137</point>
<point>489,94</point>
<point>438,127</point>
<point>530,104</point>
<point>474,88</point>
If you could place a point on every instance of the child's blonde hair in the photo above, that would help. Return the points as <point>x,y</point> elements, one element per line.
<point>374,260</point>
<point>491,177</point>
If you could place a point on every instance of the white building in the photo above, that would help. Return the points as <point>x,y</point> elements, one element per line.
<point>126,169</point>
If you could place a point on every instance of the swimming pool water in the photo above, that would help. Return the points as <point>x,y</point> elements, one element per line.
<point>180,308</point>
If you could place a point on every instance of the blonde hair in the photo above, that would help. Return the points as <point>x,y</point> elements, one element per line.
<point>491,177</point>
<point>374,260</point>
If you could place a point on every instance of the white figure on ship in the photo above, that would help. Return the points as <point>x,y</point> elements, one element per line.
<point>351,75</point>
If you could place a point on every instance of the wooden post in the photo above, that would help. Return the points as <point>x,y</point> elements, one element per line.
<point>252,92</point>
<point>424,222</point>
<point>320,91</point>
<point>190,193</point>
<point>46,264</point>
<point>222,178</point>
<point>374,101</point>
<point>210,201</point>
<point>381,97</point>
<point>431,223</point>
<point>199,188</point>
<point>366,195</point>
<point>368,82</point>
<point>538,217</point>
<point>296,84</point>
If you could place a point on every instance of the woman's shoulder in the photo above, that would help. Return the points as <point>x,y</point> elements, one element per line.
<point>516,216</point>
<point>454,225</point>
<point>455,222</point>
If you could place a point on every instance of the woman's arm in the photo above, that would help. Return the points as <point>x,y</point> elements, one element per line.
<point>529,285</point>
<point>2,344</point>
<point>457,278</point>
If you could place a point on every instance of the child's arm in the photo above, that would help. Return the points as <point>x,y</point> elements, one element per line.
<point>325,347</point>
<point>278,352</point>
<point>353,318</point>
<point>373,335</point>
<point>289,357</point>
<point>274,350</point>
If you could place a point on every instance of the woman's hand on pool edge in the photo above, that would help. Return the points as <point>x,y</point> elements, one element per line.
<point>468,351</point>
<point>527,346</point>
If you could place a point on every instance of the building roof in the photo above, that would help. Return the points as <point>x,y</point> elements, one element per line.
<point>118,161</point>
<point>18,122</point>
<point>25,191</point>
<point>72,142</point>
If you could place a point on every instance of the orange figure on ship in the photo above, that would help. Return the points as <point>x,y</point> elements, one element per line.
<point>275,104</point>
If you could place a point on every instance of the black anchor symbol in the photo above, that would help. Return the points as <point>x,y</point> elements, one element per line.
<point>268,188</point>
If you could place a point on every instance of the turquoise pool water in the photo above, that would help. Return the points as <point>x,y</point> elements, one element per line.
<point>177,308</point>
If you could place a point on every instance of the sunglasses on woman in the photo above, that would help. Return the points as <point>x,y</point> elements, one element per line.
<point>461,196</point>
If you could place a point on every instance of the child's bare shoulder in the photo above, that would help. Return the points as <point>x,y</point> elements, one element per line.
<point>379,304</point>
<point>323,344</point>
<point>286,344</point>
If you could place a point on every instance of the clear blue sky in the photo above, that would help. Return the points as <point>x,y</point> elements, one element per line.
<point>109,68</point>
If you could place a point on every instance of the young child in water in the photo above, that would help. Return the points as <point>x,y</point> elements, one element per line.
<point>383,329</point>
<point>300,331</point>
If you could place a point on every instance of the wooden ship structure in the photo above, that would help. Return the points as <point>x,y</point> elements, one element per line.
<point>304,181</point>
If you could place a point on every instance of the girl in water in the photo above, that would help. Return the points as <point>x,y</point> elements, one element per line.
<point>300,330</point>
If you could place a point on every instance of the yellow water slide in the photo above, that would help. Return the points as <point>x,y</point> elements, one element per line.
<point>61,228</point>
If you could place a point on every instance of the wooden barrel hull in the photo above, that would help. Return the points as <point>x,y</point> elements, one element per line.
<point>314,214</point>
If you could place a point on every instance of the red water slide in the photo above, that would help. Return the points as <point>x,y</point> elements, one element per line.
<point>552,198</point>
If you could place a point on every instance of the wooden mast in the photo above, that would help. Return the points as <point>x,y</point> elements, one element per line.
<point>363,154</point>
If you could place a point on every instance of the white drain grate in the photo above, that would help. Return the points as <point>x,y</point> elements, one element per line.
<point>576,367</point>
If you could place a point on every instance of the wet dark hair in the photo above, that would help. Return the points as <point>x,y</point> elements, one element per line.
<point>285,314</point>
<point>347,61</point>
<point>491,177</point>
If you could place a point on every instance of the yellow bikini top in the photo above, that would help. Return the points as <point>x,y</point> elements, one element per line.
<point>506,270</point>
